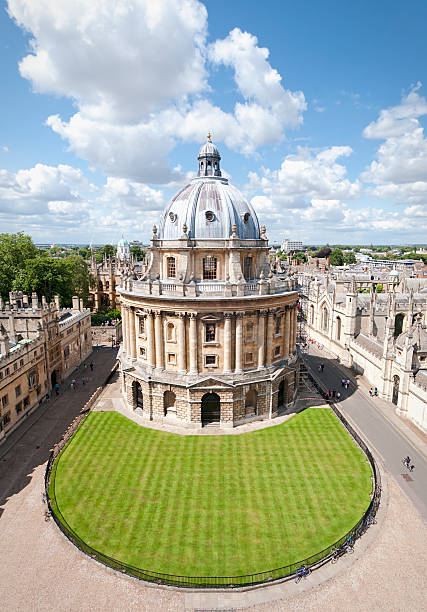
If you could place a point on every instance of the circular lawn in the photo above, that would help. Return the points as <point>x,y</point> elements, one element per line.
<point>209,505</point>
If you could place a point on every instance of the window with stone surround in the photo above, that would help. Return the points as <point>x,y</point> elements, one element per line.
<point>170,332</point>
<point>142,325</point>
<point>210,361</point>
<point>18,407</point>
<point>247,268</point>
<point>6,419</point>
<point>27,402</point>
<point>277,351</point>
<point>142,352</point>
<point>172,358</point>
<point>209,268</point>
<point>278,320</point>
<point>18,391</point>
<point>249,358</point>
<point>210,332</point>
<point>249,336</point>
<point>171,265</point>
<point>4,400</point>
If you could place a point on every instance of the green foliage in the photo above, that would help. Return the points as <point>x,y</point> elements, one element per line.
<point>306,483</point>
<point>336,258</point>
<point>380,288</point>
<point>97,318</point>
<point>349,258</point>
<point>323,252</point>
<point>300,256</point>
<point>137,252</point>
<point>15,251</point>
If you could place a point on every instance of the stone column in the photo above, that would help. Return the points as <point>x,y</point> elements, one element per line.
<point>160,346</point>
<point>295,326</point>
<point>227,342</point>
<point>270,332</point>
<point>193,343</point>
<point>181,342</point>
<point>150,339</point>
<point>136,317</point>
<point>261,338</point>
<point>288,331</point>
<point>239,340</point>
<point>125,325</point>
<point>293,330</point>
<point>132,339</point>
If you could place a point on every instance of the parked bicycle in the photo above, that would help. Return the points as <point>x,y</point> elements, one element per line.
<point>345,548</point>
<point>302,572</point>
<point>407,463</point>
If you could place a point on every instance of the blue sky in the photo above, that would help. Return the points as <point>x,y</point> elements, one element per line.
<point>318,110</point>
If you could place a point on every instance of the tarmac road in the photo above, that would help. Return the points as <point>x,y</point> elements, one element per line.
<point>389,442</point>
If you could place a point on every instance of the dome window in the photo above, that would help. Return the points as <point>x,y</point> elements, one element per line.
<point>246,217</point>
<point>173,217</point>
<point>209,215</point>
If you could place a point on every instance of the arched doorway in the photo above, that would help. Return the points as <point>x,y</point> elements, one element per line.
<point>338,328</point>
<point>53,379</point>
<point>396,382</point>
<point>282,396</point>
<point>211,408</point>
<point>138,401</point>
<point>169,399</point>
<point>250,402</point>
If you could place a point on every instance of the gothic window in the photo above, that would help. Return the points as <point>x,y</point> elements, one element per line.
<point>247,268</point>
<point>209,268</point>
<point>171,267</point>
<point>325,319</point>
<point>170,332</point>
<point>210,329</point>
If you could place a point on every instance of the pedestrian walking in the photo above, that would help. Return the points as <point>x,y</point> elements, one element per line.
<point>57,388</point>
<point>47,396</point>
<point>71,386</point>
<point>319,368</point>
<point>334,393</point>
<point>347,383</point>
<point>91,366</point>
<point>322,367</point>
<point>375,392</point>
<point>371,391</point>
<point>338,395</point>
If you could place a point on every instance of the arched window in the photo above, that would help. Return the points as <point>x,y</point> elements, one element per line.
<point>100,286</point>
<point>170,332</point>
<point>325,319</point>
<point>338,328</point>
<point>210,332</point>
<point>398,324</point>
<point>247,268</point>
<point>250,402</point>
<point>171,267</point>
<point>312,314</point>
<point>169,399</point>
<point>209,268</point>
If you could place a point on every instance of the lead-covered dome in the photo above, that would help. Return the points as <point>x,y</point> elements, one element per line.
<point>209,206</point>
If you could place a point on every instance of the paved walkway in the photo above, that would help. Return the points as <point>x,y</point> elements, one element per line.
<point>43,571</point>
<point>391,436</point>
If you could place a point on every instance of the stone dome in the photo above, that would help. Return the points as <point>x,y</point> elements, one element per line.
<point>209,206</point>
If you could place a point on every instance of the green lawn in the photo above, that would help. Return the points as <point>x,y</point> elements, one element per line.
<point>212,505</point>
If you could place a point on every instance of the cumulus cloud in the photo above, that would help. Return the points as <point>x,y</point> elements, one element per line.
<point>400,170</point>
<point>138,73</point>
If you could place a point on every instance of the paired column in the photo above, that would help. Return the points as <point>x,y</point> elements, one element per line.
<point>270,332</point>
<point>261,338</point>
<point>181,342</point>
<point>125,324</point>
<point>149,325</point>
<point>132,338</point>
<point>193,343</point>
<point>227,342</point>
<point>239,341</point>
<point>136,321</point>
<point>158,326</point>
<point>288,331</point>
<point>294,337</point>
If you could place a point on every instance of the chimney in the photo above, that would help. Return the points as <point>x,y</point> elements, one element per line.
<point>34,300</point>
<point>12,327</point>
<point>75,303</point>
<point>25,300</point>
<point>4,341</point>
<point>44,303</point>
<point>81,305</point>
<point>57,301</point>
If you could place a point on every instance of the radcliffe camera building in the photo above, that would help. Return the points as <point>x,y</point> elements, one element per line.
<point>209,332</point>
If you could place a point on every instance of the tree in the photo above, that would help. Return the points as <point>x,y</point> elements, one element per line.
<point>336,258</point>
<point>300,256</point>
<point>323,252</point>
<point>349,258</point>
<point>137,252</point>
<point>15,251</point>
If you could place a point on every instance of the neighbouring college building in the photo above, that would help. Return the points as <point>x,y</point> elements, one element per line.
<point>208,331</point>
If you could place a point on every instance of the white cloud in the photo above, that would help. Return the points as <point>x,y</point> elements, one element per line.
<point>138,73</point>
<point>400,170</point>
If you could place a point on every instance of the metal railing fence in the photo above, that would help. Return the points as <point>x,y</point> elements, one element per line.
<point>217,582</point>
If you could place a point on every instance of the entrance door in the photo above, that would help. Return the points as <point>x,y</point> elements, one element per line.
<point>396,381</point>
<point>53,379</point>
<point>211,411</point>
<point>139,397</point>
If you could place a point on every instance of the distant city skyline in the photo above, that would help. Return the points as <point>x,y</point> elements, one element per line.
<point>318,111</point>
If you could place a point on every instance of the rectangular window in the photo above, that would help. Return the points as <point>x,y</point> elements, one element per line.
<point>209,268</point>
<point>277,326</point>
<point>171,267</point>
<point>210,360</point>
<point>6,372</point>
<point>1,375</point>
<point>247,268</point>
<point>66,351</point>
<point>142,352</point>
<point>21,363</point>
<point>18,391</point>
<point>276,351</point>
<point>142,325</point>
<point>26,401</point>
<point>5,400</point>
<point>6,419</point>
<point>249,358</point>
<point>32,379</point>
<point>172,358</point>
<point>18,407</point>
<point>210,332</point>
<point>249,331</point>
<point>15,367</point>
